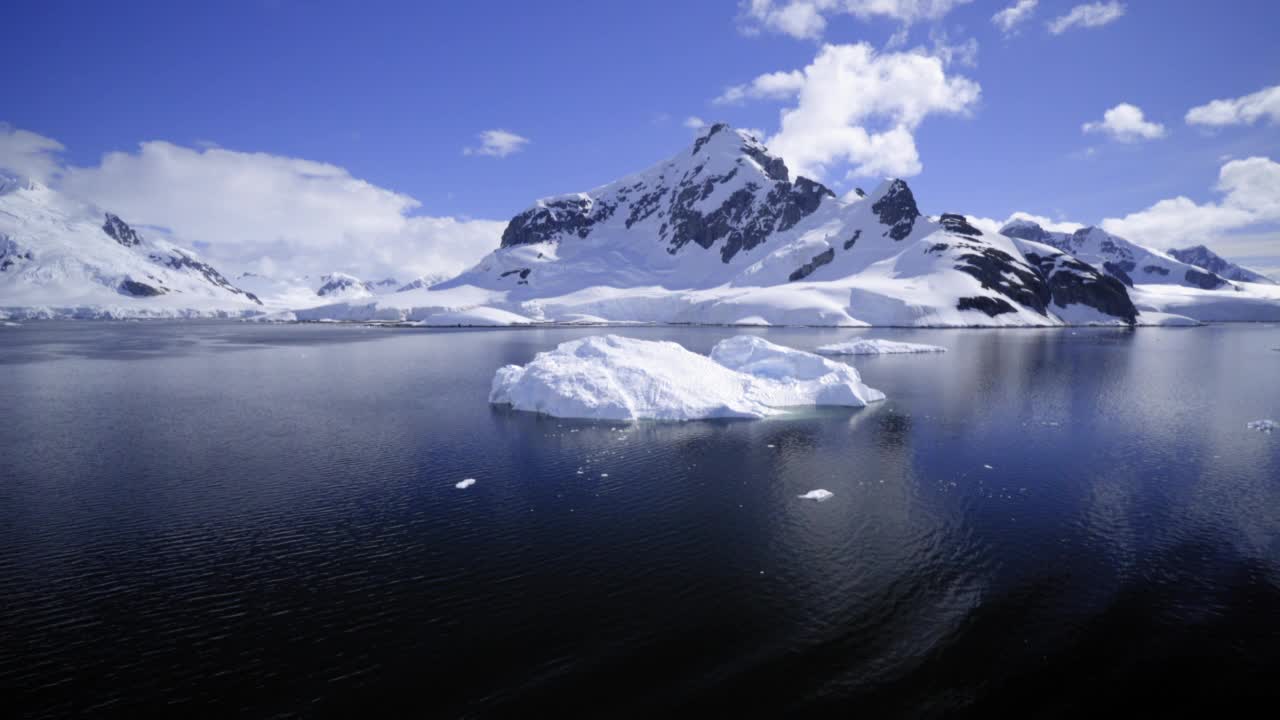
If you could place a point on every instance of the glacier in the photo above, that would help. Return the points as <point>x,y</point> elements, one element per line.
<point>610,377</point>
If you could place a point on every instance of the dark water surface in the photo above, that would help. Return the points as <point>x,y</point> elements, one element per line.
<point>240,520</point>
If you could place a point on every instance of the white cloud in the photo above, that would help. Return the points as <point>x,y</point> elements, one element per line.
<point>770,86</point>
<point>1251,198</point>
<point>28,154</point>
<point>992,226</point>
<point>693,122</point>
<point>1086,16</point>
<point>964,53</point>
<point>807,19</point>
<point>1125,123</point>
<point>1011,17</point>
<point>497,143</point>
<point>255,210</point>
<point>1239,111</point>
<point>849,88</point>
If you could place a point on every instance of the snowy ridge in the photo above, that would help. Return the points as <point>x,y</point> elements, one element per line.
<point>60,258</point>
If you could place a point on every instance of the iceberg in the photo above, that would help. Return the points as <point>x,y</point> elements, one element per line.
<point>1266,426</point>
<point>819,495</point>
<point>464,484</point>
<point>877,346</point>
<point>609,377</point>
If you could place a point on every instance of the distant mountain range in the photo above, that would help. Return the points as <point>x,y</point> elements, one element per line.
<point>721,233</point>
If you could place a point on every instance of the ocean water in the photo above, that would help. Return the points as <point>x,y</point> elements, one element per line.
<point>224,519</point>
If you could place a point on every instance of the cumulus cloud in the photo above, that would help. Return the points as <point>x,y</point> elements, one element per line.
<point>769,86</point>
<point>267,212</point>
<point>1239,111</point>
<point>807,19</point>
<point>856,106</point>
<point>1011,17</point>
<point>693,122</point>
<point>1251,201</point>
<point>497,143</point>
<point>1086,16</point>
<point>1125,123</point>
<point>28,154</point>
<point>992,226</point>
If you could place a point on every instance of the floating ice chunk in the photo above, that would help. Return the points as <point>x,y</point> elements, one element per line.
<point>819,495</point>
<point>608,377</point>
<point>988,467</point>
<point>877,346</point>
<point>463,485</point>
<point>1266,426</point>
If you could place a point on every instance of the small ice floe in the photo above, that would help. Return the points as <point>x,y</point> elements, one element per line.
<point>604,474</point>
<point>1266,426</point>
<point>463,485</point>
<point>818,495</point>
<point>876,346</point>
<point>988,467</point>
<point>9,323</point>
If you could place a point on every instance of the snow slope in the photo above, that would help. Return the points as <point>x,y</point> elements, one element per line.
<point>722,234</point>
<point>61,258</point>
<point>608,377</point>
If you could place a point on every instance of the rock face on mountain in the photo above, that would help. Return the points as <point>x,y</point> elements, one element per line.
<point>60,257</point>
<point>1203,257</point>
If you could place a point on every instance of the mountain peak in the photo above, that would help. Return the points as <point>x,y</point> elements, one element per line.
<point>895,204</point>
<point>120,231</point>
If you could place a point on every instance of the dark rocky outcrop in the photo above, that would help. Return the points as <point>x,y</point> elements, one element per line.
<point>958,224</point>
<point>989,305</point>
<point>133,288</point>
<point>1204,280</point>
<point>852,239</point>
<point>11,254</point>
<point>120,231</point>
<point>1120,271</point>
<point>551,218</point>
<point>897,209</point>
<point>999,271</point>
<point>179,260</point>
<point>818,261</point>
<point>1071,282</point>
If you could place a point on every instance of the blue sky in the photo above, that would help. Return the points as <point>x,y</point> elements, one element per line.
<point>394,93</point>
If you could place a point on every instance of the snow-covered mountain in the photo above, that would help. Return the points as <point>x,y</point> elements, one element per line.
<point>1159,284</point>
<point>1126,261</point>
<point>1203,257</point>
<point>339,285</point>
<point>722,233</point>
<point>63,258</point>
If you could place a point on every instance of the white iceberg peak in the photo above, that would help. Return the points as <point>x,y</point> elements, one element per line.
<point>609,377</point>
